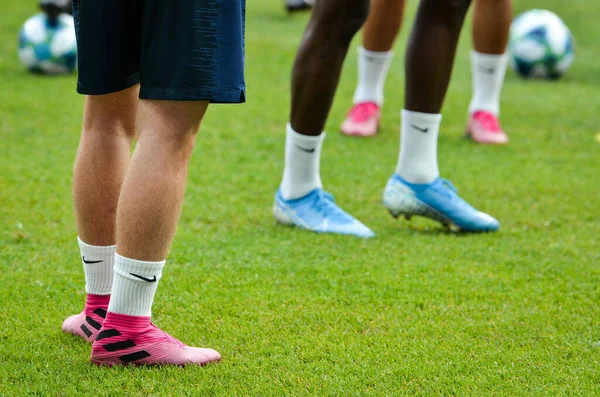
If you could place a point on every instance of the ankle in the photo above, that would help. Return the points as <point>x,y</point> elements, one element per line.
<point>95,301</point>
<point>127,322</point>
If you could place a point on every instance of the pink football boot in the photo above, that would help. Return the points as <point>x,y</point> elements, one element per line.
<point>484,127</point>
<point>362,120</point>
<point>87,324</point>
<point>134,340</point>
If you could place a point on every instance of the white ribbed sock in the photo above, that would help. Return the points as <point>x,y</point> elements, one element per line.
<point>301,173</point>
<point>372,72</point>
<point>134,286</point>
<point>97,267</point>
<point>488,72</point>
<point>417,162</point>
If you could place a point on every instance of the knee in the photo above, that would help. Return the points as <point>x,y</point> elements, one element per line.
<point>356,13</point>
<point>339,19</point>
<point>109,126</point>
<point>170,125</point>
<point>112,114</point>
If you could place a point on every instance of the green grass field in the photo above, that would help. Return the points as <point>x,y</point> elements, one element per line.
<point>415,311</point>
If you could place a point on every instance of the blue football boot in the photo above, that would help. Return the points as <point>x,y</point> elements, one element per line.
<point>317,211</point>
<point>437,200</point>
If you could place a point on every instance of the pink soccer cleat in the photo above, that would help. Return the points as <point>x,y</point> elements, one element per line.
<point>133,340</point>
<point>362,120</point>
<point>484,127</point>
<point>87,324</point>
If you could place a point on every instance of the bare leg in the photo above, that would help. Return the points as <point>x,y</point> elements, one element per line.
<point>314,80</point>
<point>319,61</point>
<point>429,61</point>
<point>383,24</point>
<point>374,59</point>
<point>100,166</point>
<point>491,23</point>
<point>101,163</point>
<point>430,53</point>
<point>147,216</point>
<point>152,195</point>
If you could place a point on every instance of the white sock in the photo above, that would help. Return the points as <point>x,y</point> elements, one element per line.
<point>417,162</point>
<point>372,72</point>
<point>301,173</point>
<point>488,72</point>
<point>97,267</point>
<point>134,286</point>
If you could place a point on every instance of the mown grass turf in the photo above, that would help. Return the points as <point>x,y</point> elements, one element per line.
<point>415,311</point>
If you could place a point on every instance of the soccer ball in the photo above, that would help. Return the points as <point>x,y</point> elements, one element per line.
<point>540,45</point>
<point>48,45</point>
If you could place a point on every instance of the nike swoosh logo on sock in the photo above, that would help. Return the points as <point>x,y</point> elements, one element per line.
<point>89,262</point>
<point>487,70</point>
<point>305,149</point>
<point>150,280</point>
<point>416,127</point>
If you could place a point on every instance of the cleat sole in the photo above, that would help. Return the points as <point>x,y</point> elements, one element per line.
<point>406,204</point>
<point>281,216</point>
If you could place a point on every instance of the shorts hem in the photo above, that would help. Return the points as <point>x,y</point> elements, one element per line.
<point>103,89</point>
<point>227,95</point>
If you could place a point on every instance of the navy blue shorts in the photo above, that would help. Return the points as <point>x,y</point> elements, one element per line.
<point>184,50</point>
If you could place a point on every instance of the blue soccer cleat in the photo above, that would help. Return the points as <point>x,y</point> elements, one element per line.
<point>438,201</point>
<point>317,211</point>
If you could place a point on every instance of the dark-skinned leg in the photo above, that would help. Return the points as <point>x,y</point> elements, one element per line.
<point>319,61</point>
<point>491,24</point>
<point>429,60</point>
<point>415,188</point>
<point>382,26</point>
<point>430,53</point>
<point>374,59</point>
<point>301,200</point>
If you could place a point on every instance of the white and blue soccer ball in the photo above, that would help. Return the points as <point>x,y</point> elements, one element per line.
<point>540,45</point>
<point>48,45</point>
